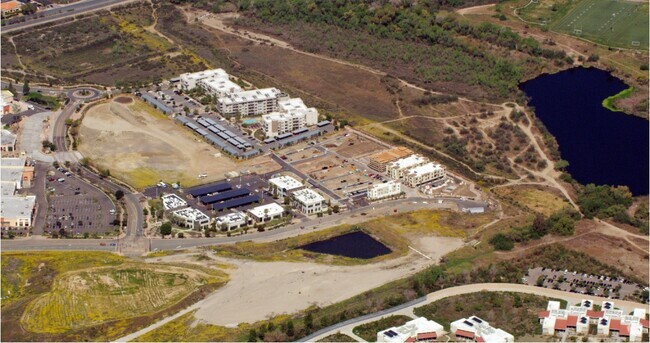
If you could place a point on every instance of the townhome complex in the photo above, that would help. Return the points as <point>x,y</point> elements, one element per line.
<point>384,190</point>
<point>478,330</point>
<point>395,170</point>
<point>423,174</point>
<point>609,320</point>
<point>416,330</point>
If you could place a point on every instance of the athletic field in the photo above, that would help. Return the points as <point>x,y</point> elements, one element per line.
<point>616,23</point>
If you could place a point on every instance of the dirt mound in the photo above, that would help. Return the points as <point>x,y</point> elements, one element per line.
<point>123,100</point>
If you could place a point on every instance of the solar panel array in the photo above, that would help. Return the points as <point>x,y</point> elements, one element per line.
<point>227,195</point>
<point>233,203</point>
<point>225,139</point>
<point>209,189</point>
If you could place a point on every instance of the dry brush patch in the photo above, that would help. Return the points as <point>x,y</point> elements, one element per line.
<point>538,199</point>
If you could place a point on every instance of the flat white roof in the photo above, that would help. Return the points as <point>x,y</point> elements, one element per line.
<point>7,138</point>
<point>408,162</point>
<point>204,74</point>
<point>269,210</point>
<point>191,213</point>
<point>248,96</point>
<point>280,116</point>
<point>411,329</point>
<point>292,104</point>
<point>232,218</point>
<point>424,169</point>
<point>221,84</point>
<point>171,201</point>
<point>285,182</point>
<point>17,207</point>
<point>482,329</point>
<point>308,196</point>
<point>382,185</point>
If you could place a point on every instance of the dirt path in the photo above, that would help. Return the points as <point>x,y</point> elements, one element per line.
<point>152,28</point>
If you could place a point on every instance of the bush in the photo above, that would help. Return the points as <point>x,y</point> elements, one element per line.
<point>501,241</point>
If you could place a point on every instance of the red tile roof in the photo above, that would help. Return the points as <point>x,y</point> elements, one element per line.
<point>625,330</point>
<point>463,333</point>
<point>572,321</point>
<point>427,335</point>
<point>480,339</point>
<point>10,5</point>
<point>645,323</point>
<point>615,324</point>
<point>560,324</point>
<point>544,314</point>
<point>410,339</point>
<point>595,314</point>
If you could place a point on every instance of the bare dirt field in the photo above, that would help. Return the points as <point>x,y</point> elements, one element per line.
<point>259,290</point>
<point>142,146</point>
<point>354,146</point>
<point>318,164</point>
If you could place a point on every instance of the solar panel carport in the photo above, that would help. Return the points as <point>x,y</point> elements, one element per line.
<point>209,189</point>
<point>236,203</point>
<point>182,120</point>
<point>235,193</point>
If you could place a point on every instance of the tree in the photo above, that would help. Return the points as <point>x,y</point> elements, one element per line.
<point>336,208</point>
<point>309,321</point>
<point>539,226</point>
<point>119,194</point>
<point>166,229</point>
<point>289,329</point>
<point>564,226</point>
<point>26,87</point>
<point>28,8</point>
<point>181,235</point>
<point>11,88</point>
<point>252,335</point>
<point>502,242</point>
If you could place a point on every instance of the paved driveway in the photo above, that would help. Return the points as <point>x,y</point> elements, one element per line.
<point>30,139</point>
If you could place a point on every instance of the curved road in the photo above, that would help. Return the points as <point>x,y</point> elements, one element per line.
<point>407,309</point>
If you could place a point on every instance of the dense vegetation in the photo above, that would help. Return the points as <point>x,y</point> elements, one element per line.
<point>560,223</point>
<point>413,40</point>
<point>609,202</point>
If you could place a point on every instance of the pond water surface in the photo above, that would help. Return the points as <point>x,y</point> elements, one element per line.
<point>356,244</point>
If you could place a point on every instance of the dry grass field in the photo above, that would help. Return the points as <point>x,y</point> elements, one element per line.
<point>142,146</point>
<point>535,198</point>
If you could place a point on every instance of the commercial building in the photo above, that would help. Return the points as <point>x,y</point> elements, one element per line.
<point>17,211</point>
<point>10,8</point>
<point>384,190</point>
<point>478,330</point>
<point>232,221</point>
<point>309,202</point>
<point>172,201</point>
<point>247,103</point>
<point>417,330</point>
<point>8,141</point>
<point>282,185</point>
<point>219,85</point>
<point>6,101</point>
<point>379,160</point>
<point>395,170</point>
<point>190,80</point>
<point>576,319</point>
<point>191,218</point>
<point>14,175</point>
<point>268,212</point>
<point>424,173</point>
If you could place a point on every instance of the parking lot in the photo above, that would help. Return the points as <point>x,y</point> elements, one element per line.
<point>572,281</point>
<point>77,207</point>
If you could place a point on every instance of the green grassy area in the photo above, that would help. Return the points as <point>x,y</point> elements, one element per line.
<point>337,337</point>
<point>609,102</point>
<point>74,296</point>
<point>544,11</point>
<point>514,313</point>
<point>616,23</point>
<point>45,100</point>
<point>369,331</point>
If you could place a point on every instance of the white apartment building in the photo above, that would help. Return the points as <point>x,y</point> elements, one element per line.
<point>190,80</point>
<point>395,170</point>
<point>283,185</point>
<point>277,123</point>
<point>268,212</point>
<point>608,320</point>
<point>309,202</point>
<point>384,190</point>
<point>247,103</point>
<point>232,221</point>
<point>478,330</point>
<point>172,201</point>
<point>423,174</point>
<point>219,86</point>
<point>192,218</point>
<point>417,330</point>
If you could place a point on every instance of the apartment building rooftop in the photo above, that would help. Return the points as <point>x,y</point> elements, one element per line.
<point>292,104</point>
<point>408,162</point>
<point>424,169</point>
<point>392,154</point>
<point>251,95</point>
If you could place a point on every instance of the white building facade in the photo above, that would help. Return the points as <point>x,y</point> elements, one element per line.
<point>424,173</point>
<point>190,80</point>
<point>282,185</point>
<point>416,330</point>
<point>384,190</point>
<point>277,123</point>
<point>250,103</point>
<point>395,170</point>
<point>309,202</point>
<point>232,221</point>
<point>268,212</point>
<point>477,329</point>
<point>192,218</point>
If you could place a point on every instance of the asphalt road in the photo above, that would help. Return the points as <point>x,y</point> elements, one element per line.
<point>46,16</point>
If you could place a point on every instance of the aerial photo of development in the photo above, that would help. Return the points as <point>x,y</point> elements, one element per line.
<point>325,171</point>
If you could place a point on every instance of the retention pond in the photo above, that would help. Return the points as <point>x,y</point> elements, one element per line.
<point>355,244</point>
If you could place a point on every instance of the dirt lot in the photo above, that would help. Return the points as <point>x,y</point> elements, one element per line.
<point>142,146</point>
<point>356,146</point>
<point>318,164</point>
<point>258,290</point>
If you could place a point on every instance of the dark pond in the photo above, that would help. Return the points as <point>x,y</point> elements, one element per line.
<point>354,244</point>
<point>601,146</point>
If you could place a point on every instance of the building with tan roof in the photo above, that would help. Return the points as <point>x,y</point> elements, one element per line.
<point>379,160</point>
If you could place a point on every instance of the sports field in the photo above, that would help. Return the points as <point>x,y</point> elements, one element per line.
<point>616,23</point>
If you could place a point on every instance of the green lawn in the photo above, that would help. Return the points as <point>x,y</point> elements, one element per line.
<point>616,23</point>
